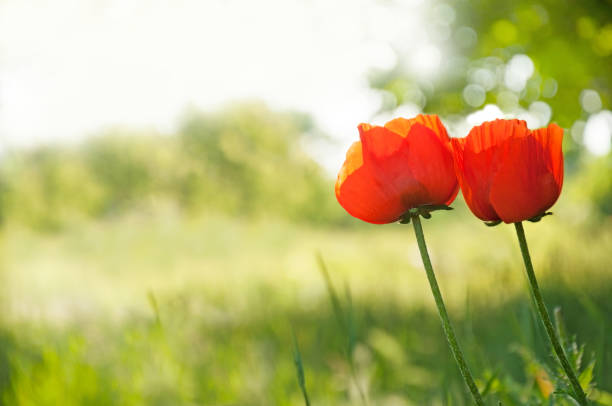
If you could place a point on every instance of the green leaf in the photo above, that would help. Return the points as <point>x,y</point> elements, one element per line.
<point>299,368</point>
<point>539,217</point>
<point>492,223</point>
<point>586,376</point>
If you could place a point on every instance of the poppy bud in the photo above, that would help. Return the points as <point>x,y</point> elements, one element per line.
<point>403,165</point>
<point>508,172</point>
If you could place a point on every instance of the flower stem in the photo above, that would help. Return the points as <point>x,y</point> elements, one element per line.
<point>446,325</point>
<point>535,290</point>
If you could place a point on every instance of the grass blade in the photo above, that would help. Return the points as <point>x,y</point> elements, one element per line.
<point>299,368</point>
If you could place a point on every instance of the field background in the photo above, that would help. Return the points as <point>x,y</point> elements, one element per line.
<point>186,267</point>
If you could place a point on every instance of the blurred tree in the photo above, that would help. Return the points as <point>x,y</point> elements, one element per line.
<point>46,185</point>
<point>244,161</point>
<point>548,60</point>
<point>524,56</point>
<point>248,159</point>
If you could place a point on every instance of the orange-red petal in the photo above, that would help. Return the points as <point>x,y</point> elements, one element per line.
<point>388,173</point>
<point>551,139</point>
<point>353,161</point>
<point>373,190</point>
<point>363,197</point>
<point>529,179</point>
<point>477,158</point>
<point>402,126</point>
<point>472,181</point>
<point>431,162</point>
<point>378,143</point>
<point>507,172</point>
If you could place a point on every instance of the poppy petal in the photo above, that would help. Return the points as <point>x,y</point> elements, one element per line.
<point>388,157</point>
<point>476,160</point>
<point>382,187</point>
<point>353,161</point>
<point>525,183</point>
<point>363,196</point>
<point>388,173</point>
<point>378,142</point>
<point>489,135</point>
<point>472,193</point>
<point>551,139</point>
<point>402,126</point>
<point>431,163</point>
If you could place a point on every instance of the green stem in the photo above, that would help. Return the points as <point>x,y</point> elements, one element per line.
<point>446,325</point>
<point>535,290</point>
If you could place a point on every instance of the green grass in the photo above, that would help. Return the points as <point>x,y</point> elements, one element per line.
<point>156,309</point>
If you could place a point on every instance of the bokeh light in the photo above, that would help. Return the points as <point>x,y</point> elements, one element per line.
<point>167,199</point>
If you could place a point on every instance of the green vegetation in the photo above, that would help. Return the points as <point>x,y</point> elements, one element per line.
<point>244,161</point>
<point>568,43</point>
<point>181,269</point>
<point>167,310</point>
<point>135,272</point>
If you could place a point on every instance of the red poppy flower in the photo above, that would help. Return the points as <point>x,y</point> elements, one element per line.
<point>508,172</point>
<point>405,164</point>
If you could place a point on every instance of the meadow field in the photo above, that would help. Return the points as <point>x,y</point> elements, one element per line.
<point>155,308</point>
<point>170,235</point>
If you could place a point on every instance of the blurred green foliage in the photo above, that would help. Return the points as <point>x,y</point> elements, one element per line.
<point>158,311</point>
<point>244,161</point>
<point>569,44</point>
<point>235,269</point>
<point>596,181</point>
<point>230,277</point>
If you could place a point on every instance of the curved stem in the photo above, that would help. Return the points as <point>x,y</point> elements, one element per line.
<point>535,290</point>
<point>446,325</point>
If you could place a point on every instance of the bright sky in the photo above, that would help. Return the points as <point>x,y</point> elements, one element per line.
<point>71,67</point>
